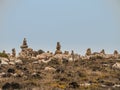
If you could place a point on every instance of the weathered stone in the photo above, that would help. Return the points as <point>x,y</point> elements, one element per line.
<point>49,69</point>
<point>18,61</point>
<point>116,66</point>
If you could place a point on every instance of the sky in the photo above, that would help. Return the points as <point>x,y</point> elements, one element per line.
<point>76,24</point>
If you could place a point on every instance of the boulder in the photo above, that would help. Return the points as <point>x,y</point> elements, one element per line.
<point>18,61</point>
<point>35,62</point>
<point>11,63</point>
<point>4,62</point>
<point>4,59</point>
<point>42,56</point>
<point>116,65</point>
<point>49,69</point>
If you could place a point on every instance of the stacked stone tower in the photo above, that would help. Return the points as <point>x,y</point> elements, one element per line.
<point>13,52</point>
<point>24,45</point>
<point>58,48</point>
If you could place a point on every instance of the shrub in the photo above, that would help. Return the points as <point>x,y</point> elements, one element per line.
<point>40,51</point>
<point>11,86</point>
<point>53,62</point>
<point>73,85</point>
<point>10,70</point>
<point>3,55</point>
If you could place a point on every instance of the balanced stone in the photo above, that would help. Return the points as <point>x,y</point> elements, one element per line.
<point>13,52</point>
<point>88,52</point>
<point>102,51</point>
<point>24,45</point>
<point>58,47</point>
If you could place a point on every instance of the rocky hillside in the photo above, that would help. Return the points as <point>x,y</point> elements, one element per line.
<point>61,74</point>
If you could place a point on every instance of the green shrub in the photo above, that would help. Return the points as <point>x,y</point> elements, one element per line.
<point>3,55</point>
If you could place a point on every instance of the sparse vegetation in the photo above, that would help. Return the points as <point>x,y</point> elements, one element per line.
<point>3,55</point>
<point>79,75</point>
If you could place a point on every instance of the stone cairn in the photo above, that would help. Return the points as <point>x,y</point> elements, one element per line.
<point>116,53</point>
<point>88,52</point>
<point>73,55</point>
<point>102,51</point>
<point>58,47</point>
<point>24,45</point>
<point>4,52</point>
<point>66,52</point>
<point>26,52</point>
<point>13,52</point>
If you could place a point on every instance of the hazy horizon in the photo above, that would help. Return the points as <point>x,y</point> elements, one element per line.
<point>77,25</point>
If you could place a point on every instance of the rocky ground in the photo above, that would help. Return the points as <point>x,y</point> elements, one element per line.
<point>92,74</point>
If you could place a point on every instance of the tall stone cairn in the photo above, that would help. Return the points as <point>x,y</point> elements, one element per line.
<point>58,48</point>
<point>24,45</point>
<point>13,52</point>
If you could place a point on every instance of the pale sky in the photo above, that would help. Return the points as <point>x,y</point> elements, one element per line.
<point>77,24</point>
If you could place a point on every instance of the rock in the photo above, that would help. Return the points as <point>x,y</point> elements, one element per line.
<point>70,59</point>
<point>42,56</point>
<point>4,63</point>
<point>58,56</point>
<point>2,74</point>
<point>4,59</point>
<point>116,65</point>
<point>12,59</point>
<point>85,84</point>
<point>36,88</point>
<point>35,75</point>
<point>18,61</point>
<point>45,61</point>
<point>11,63</point>
<point>49,69</point>
<point>35,62</point>
<point>117,85</point>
